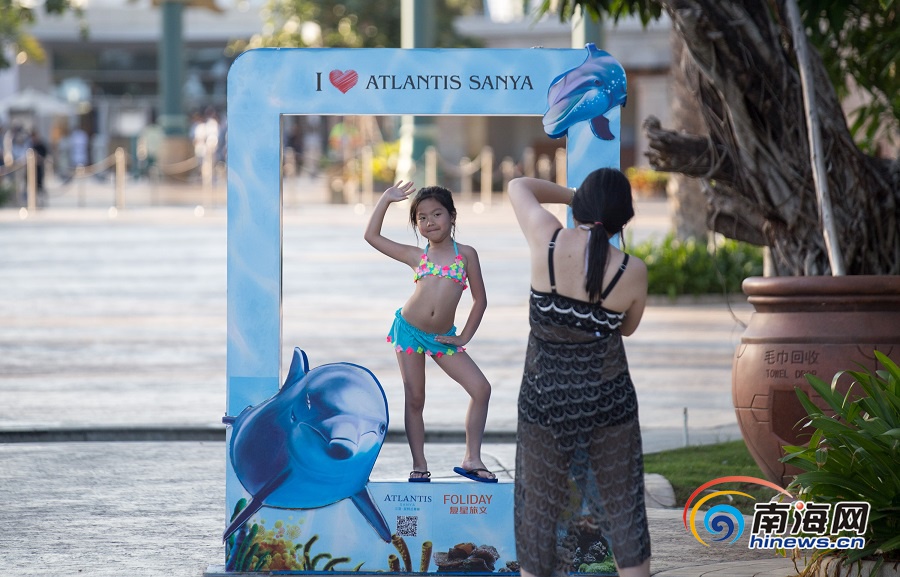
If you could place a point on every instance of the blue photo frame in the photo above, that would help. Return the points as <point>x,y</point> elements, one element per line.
<point>576,93</point>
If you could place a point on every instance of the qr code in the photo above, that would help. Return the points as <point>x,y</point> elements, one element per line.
<point>407,526</point>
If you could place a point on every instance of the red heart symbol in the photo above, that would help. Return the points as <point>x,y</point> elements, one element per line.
<point>343,81</point>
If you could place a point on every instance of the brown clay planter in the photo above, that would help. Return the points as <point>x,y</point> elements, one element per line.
<point>819,325</point>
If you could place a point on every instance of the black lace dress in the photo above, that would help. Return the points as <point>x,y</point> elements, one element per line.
<point>579,459</point>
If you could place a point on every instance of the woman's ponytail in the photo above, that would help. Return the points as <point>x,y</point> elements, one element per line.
<point>598,254</point>
<point>604,199</point>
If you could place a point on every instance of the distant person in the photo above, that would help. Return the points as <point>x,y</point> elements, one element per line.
<point>149,144</point>
<point>3,146</point>
<point>312,145</point>
<point>293,143</point>
<point>78,147</point>
<point>212,131</point>
<point>222,148</point>
<point>577,407</point>
<point>197,133</point>
<point>19,141</point>
<point>205,133</point>
<point>40,158</point>
<point>293,137</point>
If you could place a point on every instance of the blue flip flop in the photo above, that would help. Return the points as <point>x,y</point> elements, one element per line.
<point>425,478</point>
<point>473,474</point>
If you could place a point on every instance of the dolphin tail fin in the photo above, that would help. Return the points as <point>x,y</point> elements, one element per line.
<point>600,128</point>
<point>299,367</point>
<point>369,510</point>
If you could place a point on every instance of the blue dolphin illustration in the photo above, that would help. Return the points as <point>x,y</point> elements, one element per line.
<point>313,443</point>
<point>586,92</point>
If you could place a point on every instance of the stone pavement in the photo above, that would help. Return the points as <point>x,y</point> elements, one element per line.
<point>112,329</point>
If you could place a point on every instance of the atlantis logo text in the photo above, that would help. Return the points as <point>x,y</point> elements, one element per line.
<point>344,80</point>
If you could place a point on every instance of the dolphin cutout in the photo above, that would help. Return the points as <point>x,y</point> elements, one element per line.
<point>313,443</point>
<point>586,93</point>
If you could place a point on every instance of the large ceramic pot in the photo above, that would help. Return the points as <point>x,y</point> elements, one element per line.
<point>819,325</point>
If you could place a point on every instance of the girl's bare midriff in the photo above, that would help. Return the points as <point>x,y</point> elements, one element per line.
<point>432,306</point>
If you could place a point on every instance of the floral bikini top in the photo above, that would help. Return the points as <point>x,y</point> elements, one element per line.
<point>455,271</point>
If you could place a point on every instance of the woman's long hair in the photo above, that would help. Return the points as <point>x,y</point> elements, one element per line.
<point>603,202</point>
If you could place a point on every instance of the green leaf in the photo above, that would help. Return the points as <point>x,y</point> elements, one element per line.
<point>810,407</point>
<point>890,365</point>
<point>890,544</point>
<point>840,487</point>
<point>876,402</point>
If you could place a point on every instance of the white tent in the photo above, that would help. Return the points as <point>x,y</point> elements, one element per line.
<point>37,102</point>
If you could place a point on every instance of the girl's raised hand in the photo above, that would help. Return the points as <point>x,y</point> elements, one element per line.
<point>399,191</point>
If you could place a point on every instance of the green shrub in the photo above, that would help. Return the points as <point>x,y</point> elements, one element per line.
<point>692,268</point>
<point>854,455</point>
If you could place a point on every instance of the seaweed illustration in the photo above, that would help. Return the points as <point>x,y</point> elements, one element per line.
<point>258,549</point>
<point>306,548</point>
<point>426,557</point>
<point>304,560</point>
<point>241,547</point>
<point>401,547</point>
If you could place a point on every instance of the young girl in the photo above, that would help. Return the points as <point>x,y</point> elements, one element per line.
<point>424,325</point>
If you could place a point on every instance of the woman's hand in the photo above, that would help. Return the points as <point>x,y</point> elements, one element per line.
<point>399,191</point>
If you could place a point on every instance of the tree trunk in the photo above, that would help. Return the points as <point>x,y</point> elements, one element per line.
<point>755,158</point>
<point>687,203</point>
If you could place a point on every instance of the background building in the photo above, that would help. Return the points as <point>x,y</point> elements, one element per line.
<point>114,74</point>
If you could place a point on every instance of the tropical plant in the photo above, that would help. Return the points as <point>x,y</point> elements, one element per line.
<point>690,267</point>
<point>743,63</point>
<point>854,454</point>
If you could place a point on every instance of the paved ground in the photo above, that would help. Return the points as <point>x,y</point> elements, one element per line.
<point>112,328</point>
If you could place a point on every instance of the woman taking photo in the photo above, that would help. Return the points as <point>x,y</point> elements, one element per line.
<point>578,439</point>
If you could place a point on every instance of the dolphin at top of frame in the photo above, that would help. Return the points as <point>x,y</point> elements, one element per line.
<point>313,443</point>
<point>586,93</point>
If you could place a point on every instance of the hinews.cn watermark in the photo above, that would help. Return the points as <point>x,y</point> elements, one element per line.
<point>793,524</point>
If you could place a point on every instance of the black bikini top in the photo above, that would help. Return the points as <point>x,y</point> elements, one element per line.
<point>609,287</point>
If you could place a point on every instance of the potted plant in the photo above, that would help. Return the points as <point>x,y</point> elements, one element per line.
<point>781,167</point>
<point>853,455</point>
